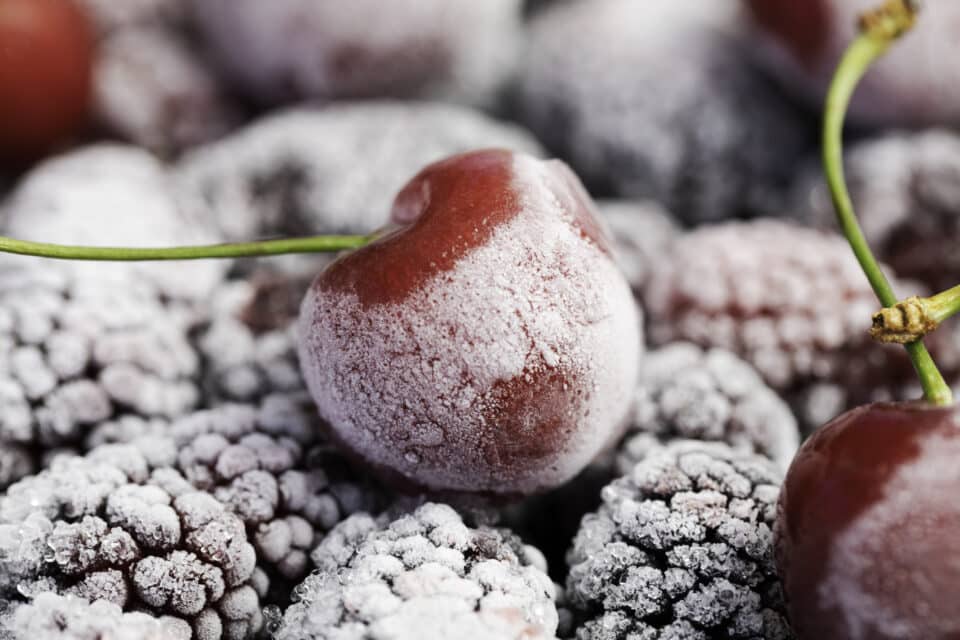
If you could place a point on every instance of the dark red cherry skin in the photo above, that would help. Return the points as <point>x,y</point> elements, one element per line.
<point>868,530</point>
<point>803,26</point>
<point>46,68</point>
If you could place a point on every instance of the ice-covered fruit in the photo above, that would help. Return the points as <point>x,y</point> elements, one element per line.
<point>489,343</point>
<point>45,75</point>
<point>866,527</point>
<point>916,84</point>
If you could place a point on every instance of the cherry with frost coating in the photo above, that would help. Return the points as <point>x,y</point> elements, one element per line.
<point>488,344</point>
<point>865,535</point>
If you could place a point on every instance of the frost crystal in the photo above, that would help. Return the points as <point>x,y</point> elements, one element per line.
<point>425,575</point>
<point>681,549</point>
<point>105,527</point>
<point>656,99</point>
<point>274,177</point>
<point>686,392</point>
<point>55,617</point>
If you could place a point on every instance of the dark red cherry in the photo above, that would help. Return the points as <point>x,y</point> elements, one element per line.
<point>46,61</point>
<point>868,528</point>
<point>487,344</point>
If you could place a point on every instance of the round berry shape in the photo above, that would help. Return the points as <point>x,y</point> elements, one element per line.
<point>489,343</point>
<point>45,75</point>
<point>915,85</point>
<point>866,526</point>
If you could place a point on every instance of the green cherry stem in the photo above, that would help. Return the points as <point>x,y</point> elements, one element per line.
<point>879,29</point>
<point>944,304</point>
<point>312,244</point>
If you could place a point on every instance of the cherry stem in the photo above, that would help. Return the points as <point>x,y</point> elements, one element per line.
<point>312,244</point>
<point>879,29</point>
<point>944,304</point>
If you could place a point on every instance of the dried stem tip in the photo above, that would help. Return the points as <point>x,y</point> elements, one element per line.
<point>905,322</point>
<point>890,20</point>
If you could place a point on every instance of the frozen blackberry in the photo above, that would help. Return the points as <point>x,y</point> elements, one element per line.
<point>76,351</point>
<point>686,392</point>
<point>56,617</point>
<point>681,549</point>
<point>907,190</point>
<point>424,575</point>
<point>110,16</point>
<point>295,172</point>
<point>790,301</point>
<point>657,100</point>
<point>268,465</point>
<point>100,527</point>
<point>405,48</point>
<point>641,232</point>
<point>115,195</point>
<point>153,87</point>
<point>248,343</point>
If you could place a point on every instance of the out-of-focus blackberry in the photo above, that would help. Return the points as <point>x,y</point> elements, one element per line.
<point>295,172</point>
<point>430,49</point>
<point>52,616</point>
<point>657,99</point>
<point>248,342</point>
<point>790,301</point>
<point>153,87</point>
<point>424,575</point>
<point>101,527</point>
<point>686,392</point>
<point>906,188</point>
<point>110,16</point>
<point>641,232</point>
<point>114,195</point>
<point>682,549</point>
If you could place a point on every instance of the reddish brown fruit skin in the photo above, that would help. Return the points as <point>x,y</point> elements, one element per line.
<point>46,62</point>
<point>885,469</point>
<point>803,26</point>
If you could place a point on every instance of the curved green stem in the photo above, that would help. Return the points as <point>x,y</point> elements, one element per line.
<point>879,30</point>
<point>312,244</point>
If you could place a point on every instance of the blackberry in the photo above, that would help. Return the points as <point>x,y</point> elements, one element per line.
<point>686,392</point>
<point>641,232</point>
<point>906,187</point>
<point>423,575</point>
<point>100,527</point>
<point>681,548</point>
<point>274,177</point>
<point>703,133</point>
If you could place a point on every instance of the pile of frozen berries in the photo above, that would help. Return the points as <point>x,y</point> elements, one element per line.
<point>554,394</point>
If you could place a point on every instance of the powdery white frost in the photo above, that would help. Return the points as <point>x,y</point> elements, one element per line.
<point>407,383</point>
<point>901,519</point>
<point>115,195</point>
<point>424,576</point>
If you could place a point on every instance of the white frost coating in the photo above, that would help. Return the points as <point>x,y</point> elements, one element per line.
<point>328,49</point>
<point>407,383</point>
<point>902,519</point>
<point>115,195</point>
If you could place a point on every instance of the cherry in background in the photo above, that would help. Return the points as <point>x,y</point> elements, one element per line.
<point>916,84</point>
<point>46,52</point>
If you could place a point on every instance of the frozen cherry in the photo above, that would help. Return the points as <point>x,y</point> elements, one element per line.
<point>917,84</point>
<point>45,75</point>
<point>866,534</point>
<point>488,343</point>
